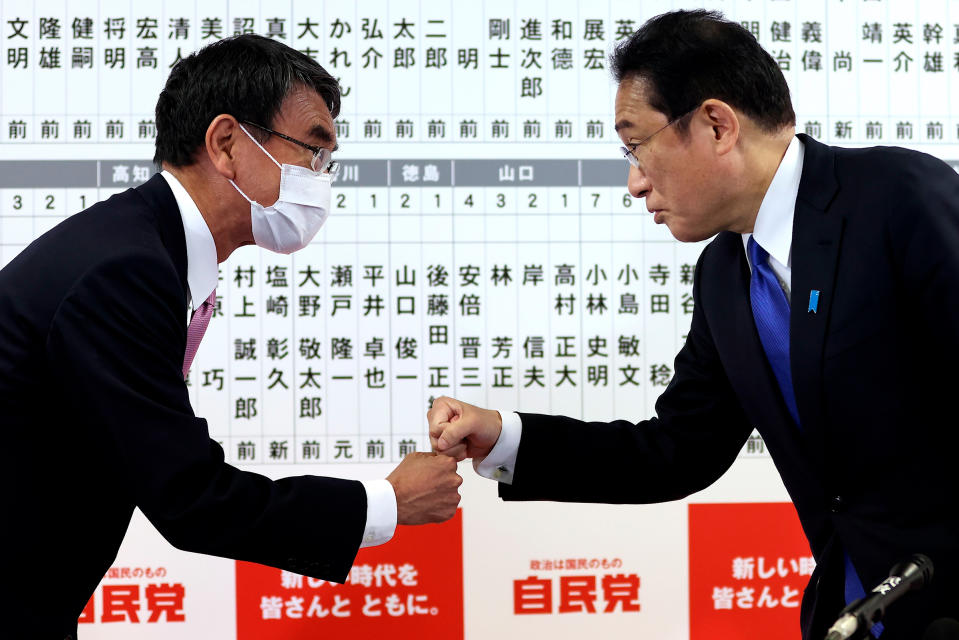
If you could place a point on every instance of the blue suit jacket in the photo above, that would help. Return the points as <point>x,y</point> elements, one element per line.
<point>876,371</point>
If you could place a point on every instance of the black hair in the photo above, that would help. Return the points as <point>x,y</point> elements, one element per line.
<point>687,57</point>
<point>247,76</point>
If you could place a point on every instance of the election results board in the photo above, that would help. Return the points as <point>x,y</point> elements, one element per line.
<point>481,245</point>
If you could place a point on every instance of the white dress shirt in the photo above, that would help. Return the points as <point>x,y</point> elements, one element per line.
<point>774,233</point>
<point>773,228</point>
<point>202,275</point>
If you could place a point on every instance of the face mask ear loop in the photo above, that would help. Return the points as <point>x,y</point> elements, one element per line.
<point>261,147</point>
<point>240,192</point>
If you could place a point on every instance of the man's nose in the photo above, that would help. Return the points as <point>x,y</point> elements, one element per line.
<point>637,183</point>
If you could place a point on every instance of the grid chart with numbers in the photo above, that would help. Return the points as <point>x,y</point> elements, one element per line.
<point>482,243</point>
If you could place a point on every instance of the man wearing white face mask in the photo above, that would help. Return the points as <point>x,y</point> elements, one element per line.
<point>303,203</point>
<point>95,343</point>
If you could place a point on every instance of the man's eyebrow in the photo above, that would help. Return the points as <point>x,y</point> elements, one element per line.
<point>323,134</point>
<point>622,124</point>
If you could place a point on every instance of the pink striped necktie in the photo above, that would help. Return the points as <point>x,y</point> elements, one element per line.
<point>194,333</point>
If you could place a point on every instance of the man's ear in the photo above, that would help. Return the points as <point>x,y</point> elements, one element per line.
<point>221,138</point>
<point>723,124</point>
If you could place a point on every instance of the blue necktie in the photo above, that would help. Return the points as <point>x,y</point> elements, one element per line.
<point>771,314</point>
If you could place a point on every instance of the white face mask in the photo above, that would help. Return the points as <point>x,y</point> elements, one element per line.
<point>290,223</point>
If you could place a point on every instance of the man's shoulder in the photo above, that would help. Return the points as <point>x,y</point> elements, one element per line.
<point>120,217</point>
<point>116,235</point>
<point>895,184</point>
<point>890,166</point>
<point>121,225</point>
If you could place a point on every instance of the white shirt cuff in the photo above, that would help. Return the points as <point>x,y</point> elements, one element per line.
<point>501,461</point>
<point>380,512</point>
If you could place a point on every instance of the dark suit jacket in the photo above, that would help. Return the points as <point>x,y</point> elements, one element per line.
<point>97,421</point>
<point>873,470</point>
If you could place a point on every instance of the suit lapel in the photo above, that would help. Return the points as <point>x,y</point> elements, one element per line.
<point>734,332</point>
<point>817,235</point>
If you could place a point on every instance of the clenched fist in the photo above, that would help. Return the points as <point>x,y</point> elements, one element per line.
<point>461,430</point>
<point>426,487</point>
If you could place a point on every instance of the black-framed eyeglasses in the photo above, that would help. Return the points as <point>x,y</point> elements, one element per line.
<point>629,151</point>
<point>322,160</point>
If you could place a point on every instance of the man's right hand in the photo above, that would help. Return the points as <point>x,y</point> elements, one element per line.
<point>461,430</point>
<point>426,487</point>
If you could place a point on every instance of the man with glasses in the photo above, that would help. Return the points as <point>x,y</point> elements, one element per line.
<point>826,317</point>
<point>100,319</point>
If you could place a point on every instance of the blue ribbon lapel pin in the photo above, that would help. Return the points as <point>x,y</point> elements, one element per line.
<point>813,301</point>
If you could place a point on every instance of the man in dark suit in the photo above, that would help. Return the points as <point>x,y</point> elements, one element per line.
<point>827,317</point>
<point>95,346</point>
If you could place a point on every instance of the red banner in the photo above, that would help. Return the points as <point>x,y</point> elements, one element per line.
<point>409,588</point>
<point>748,567</point>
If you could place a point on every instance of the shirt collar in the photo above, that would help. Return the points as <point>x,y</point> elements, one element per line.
<point>202,271</point>
<point>773,228</point>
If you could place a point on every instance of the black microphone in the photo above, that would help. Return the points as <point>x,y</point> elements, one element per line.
<point>942,629</point>
<point>856,619</point>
